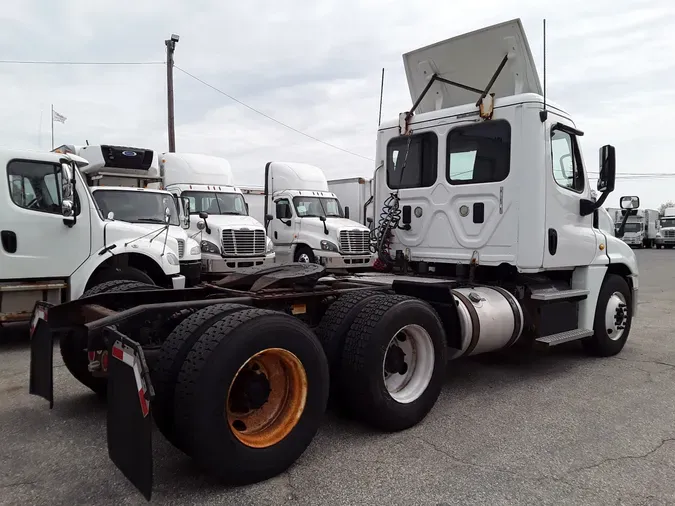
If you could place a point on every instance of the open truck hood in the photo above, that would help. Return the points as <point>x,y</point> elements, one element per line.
<point>472,59</point>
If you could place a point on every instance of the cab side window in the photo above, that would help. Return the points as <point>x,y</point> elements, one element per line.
<point>567,167</point>
<point>35,185</point>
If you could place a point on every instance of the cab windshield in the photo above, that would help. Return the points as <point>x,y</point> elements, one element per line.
<point>308,207</point>
<point>668,222</point>
<point>135,206</point>
<point>216,203</point>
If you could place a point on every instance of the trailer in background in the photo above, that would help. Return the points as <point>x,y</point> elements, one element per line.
<point>356,196</point>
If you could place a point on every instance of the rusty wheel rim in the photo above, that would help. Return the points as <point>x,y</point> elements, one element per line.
<point>266,398</point>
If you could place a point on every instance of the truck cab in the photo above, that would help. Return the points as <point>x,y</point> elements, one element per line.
<point>118,177</point>
<point>666,236</point>
<point>216,213</point>
<point>56,243</point>
<point>306,221</point>
<point>484,179</point>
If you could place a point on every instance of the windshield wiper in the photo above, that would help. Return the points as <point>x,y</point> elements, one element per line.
<point>150,220</point>
<point>232,213</point>
<point>310,216</point>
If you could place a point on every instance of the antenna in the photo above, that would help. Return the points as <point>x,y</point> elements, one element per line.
<point>543,115</point>
<point>87,141</point>
<point>379,119</point>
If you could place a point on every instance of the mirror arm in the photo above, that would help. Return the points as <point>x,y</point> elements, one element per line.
<point>587,207</point>
<point>621,230</point>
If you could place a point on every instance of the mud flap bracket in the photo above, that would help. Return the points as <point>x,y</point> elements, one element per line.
<point>41,381</point>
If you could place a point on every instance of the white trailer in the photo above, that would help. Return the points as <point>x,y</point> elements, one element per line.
<point>306,221</point>
<point>56,244</point>
<point>230,237</point>
<point>118,177</point>
<point>487,233</point>
<point>356,197</point>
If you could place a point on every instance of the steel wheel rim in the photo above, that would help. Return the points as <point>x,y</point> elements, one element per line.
<point>303,258</point>
<point>268,424</point>
<point>616,316</point>
<point>407,384</point>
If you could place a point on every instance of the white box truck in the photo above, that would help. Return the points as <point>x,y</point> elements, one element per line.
<point>642,227</point>
<point>305,220</point>
<point>490,239</point>
<point>230,237</point>
<point>56,243</point>
<point>118,177</point>
<point>356,197</point>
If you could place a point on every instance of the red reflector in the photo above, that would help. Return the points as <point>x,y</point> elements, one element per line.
<point>118,353</point>
<point>104,360</point>
<point>91,355</point>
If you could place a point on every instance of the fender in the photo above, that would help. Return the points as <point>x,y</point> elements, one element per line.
<point>151,251</point>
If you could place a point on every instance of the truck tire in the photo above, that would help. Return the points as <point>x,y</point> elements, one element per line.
<point>74,349</point>
<point>234,428</point>
<point>613,311</point>
<point>335,324</point>
<point>172,354</point>
<point>393,362</point>
<point>304,254</point>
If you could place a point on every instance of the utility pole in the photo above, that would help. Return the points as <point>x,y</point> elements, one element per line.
<point>170,48</point>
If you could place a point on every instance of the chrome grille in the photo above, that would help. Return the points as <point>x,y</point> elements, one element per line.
<point>181,248</point>
<point>669,233</point>
<point>355,241</point>
<point>243,242</point>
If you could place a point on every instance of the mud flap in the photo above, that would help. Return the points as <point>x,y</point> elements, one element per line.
<point>129,424</point>
<point>41,381</point>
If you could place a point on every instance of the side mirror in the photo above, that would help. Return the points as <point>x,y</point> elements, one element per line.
<point>369,220</point>
<point>111,216</point>
<point>281,210</point>
<point>347,212</point>
<point>632,202</point>
<point>269,217</point>
<point>186,212</point>
<point>167,215</point>
<point>322,218</point>
<point>247,208</point>
<point>67,189</point>
<point>203,215</point>
<point>607,176</point>
<point>201,225</point>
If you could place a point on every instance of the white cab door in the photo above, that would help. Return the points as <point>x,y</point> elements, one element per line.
<point>570,238</point>
<point>35,241</point>
<point>282,229</point>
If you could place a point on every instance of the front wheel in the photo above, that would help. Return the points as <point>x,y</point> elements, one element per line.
<point>613,318</point>
<point>304,255</point>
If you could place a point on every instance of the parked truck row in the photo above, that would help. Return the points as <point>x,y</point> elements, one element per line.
<point>487,237</point>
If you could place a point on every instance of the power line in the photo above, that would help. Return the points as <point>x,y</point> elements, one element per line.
<point>270,117</point>
<point>44,62</point>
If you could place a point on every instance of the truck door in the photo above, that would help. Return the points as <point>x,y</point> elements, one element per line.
<point>570,237</point>
<point>282,228</point>
<point>35,241</point>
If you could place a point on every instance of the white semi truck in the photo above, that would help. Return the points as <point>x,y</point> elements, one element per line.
<point>666,237</point>
<point>642,227</point>
<point>118,177</point>
<point>56,243</point>
<point>230,237</point>
<point>306,221</point>
<point>356,197</point>
<point>488,238</point>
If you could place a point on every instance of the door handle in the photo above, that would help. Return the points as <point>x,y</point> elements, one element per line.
<point>8,241</point>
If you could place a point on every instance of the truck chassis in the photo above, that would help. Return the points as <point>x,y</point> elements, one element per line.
<point>237,373</point>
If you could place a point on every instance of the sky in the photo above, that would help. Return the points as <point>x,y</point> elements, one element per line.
<point>317,68</point>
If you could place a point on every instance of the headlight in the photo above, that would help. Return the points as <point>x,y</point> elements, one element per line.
<point>172,259</point>
<point>329,246</point>
<point>194,250</point>
<point>269,248</point>
<point>209,247</point>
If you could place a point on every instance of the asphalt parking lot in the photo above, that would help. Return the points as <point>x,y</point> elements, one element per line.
<point>547,428</point>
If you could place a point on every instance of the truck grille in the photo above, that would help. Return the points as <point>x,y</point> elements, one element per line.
<point>243,242</point>
<point>669,233</point>
<point>355,241</point>
<point>181,248</point>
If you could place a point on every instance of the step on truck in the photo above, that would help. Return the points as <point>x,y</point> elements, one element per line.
<point>56,244</point>
<point>484,242</point>
<point>118,178</point>
<point>230,238</point>
<point>306,221</point>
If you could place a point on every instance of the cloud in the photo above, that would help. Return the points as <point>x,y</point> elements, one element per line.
<point>316,66</point>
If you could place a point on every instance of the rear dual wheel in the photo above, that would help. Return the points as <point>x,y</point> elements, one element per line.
<point>250,393</point>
